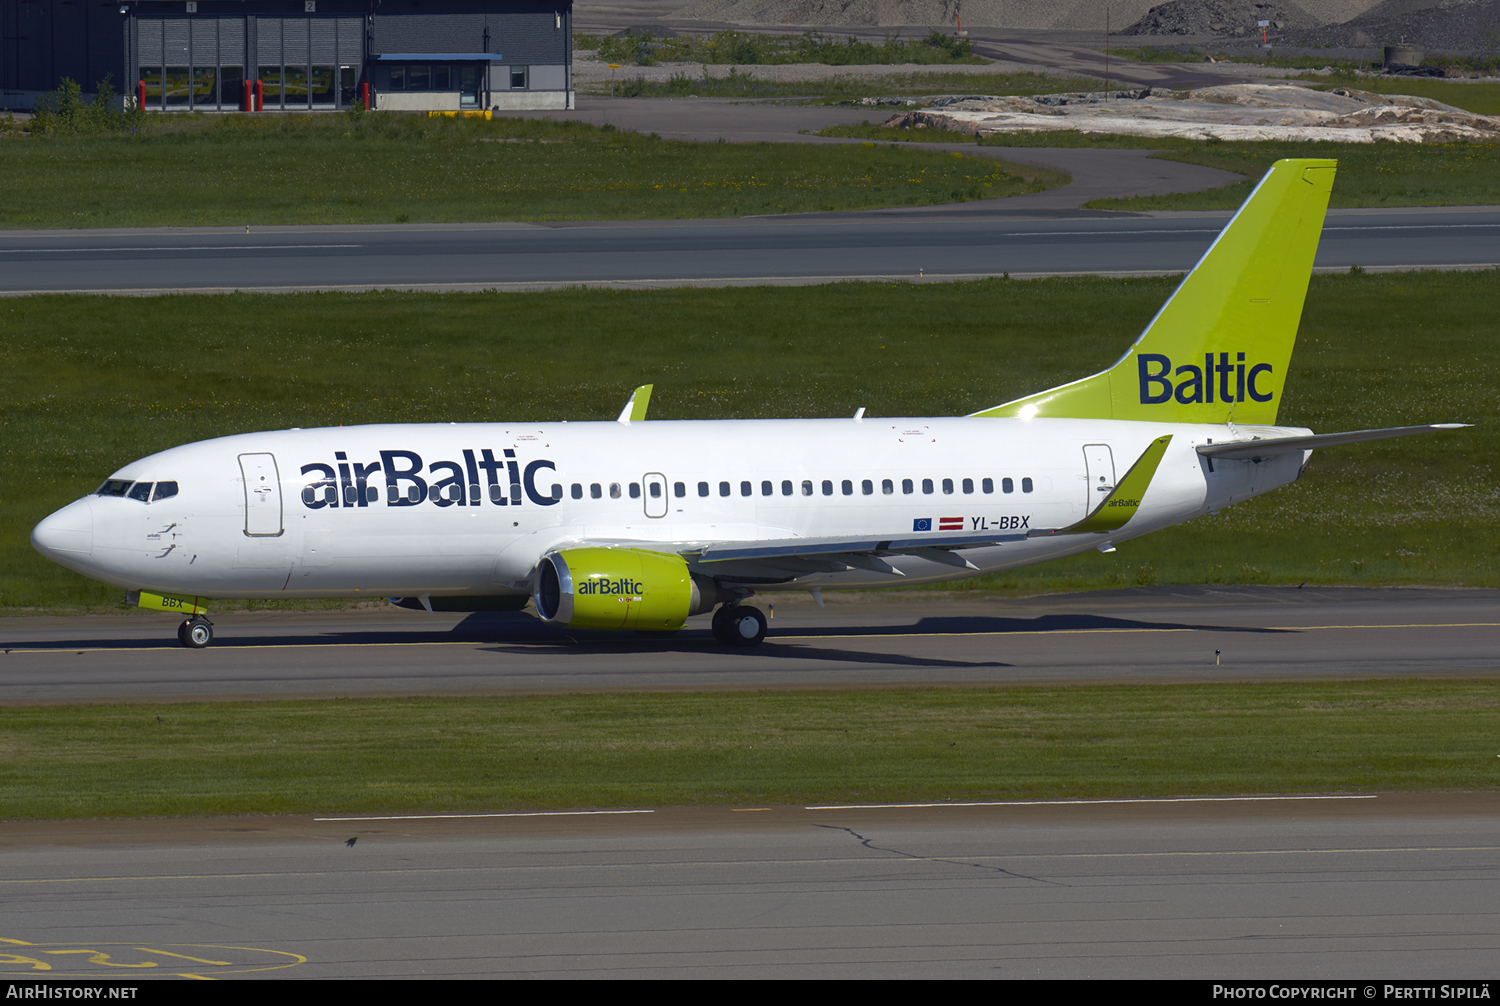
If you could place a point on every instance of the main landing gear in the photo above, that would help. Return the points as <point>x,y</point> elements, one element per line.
<point>195,633</point>
<point>739,625</point>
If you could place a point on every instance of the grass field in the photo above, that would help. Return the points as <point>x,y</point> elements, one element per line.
<point>90,383</point>
<point>472,754</point>
<point>1370,174</point>
<point>378,168</point>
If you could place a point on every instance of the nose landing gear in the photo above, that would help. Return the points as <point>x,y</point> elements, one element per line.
<point>739,625</point>
<point>195,633</point>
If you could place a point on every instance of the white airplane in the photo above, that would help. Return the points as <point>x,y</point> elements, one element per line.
<point>640,525</point>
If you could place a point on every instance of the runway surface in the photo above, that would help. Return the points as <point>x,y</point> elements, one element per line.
<point>770,250</point>
<point>1389,887</point>
<point>1170,634</point>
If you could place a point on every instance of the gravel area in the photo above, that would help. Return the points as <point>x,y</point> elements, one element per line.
<point>588,71</point>
<point>1079,15</point>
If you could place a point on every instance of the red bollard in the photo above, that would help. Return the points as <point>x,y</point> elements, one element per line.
<point>245,102</point>
<point>260,96</point>
<point>366,88</point>
<point>140,94</point>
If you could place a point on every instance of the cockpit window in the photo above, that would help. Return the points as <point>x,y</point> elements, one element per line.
<point>165,490</point>
<point>113,487</point>
<point>140,491</point>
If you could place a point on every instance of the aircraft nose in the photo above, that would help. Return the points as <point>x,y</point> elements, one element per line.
<point>67,534</point>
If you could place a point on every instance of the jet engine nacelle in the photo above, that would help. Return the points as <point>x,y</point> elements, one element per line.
<point>620,588</point>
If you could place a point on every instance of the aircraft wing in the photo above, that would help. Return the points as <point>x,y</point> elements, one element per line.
<point>806,555</point>
<point>1254,450</point>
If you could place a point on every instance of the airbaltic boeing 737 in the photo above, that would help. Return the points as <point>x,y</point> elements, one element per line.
<point>639,525</point>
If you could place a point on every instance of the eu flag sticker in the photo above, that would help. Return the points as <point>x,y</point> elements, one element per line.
<point>922,524</point>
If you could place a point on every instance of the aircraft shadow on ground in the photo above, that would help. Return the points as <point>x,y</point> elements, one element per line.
<point>519,627</point>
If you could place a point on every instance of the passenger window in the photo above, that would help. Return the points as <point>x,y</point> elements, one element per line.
<point>165,490</point>
<point>635,490</point>
<point>1007,486</point>
<point>906,487</point>
<point>596,491</point>
<point>827,487</point>
<point>113,487</point>
<point>968,485</point>
<point>679,489</point>
<point>887,486</point>
<point>577,491</point>
<point>614,490</point>
<point>927,486</point>
<point>655,488</point>
<point>1026,485</point>
<point>140,491</point>
<point>786,487</point>
<point>806,487</point>
<point>746,489</point>
<point>474,495</point>
<point>867,487</point>
<point>765,488</point>
<point>988,485</point>
<point>847,487</point>
<point>947,487</point>
<point>702,488</point>
<point>556,491</point>
<point>496,493</point>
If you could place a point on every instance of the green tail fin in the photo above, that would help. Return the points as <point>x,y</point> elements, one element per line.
<point>1218,349</point>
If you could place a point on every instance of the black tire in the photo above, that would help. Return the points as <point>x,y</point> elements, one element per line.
<point>747,626</point>
<point>722,624</point>
<point>195,633</point>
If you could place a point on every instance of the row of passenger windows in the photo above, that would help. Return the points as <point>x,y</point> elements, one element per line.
<point>807,487</point>
<point>137,490</point>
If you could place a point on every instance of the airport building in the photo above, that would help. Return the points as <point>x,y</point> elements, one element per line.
<point>293,55</point>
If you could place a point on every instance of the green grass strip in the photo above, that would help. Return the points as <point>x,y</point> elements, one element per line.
<point>539,752</point>
<point>385,168</point>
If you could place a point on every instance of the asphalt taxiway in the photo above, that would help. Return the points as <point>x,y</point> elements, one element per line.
<point>1359,887</point>
<point>1351,886</point>
<point>1171,634</point>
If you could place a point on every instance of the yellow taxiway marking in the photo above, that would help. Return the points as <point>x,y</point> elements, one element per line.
<point>33,959</point>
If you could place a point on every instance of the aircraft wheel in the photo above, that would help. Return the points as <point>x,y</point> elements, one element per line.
<point>745,626</point>
<point>721,624</point>
<point>195,633</point>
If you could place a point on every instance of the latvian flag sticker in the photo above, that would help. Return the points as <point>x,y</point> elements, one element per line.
<point>950,523</point>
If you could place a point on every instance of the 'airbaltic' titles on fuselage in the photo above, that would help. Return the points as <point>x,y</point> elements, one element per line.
<point>480,477</point>
<point>1234,383</point>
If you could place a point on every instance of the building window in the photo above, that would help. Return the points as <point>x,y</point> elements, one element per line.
<point>518,78</point>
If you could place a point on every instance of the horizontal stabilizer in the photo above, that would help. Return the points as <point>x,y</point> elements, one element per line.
<point>1254,450</point>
